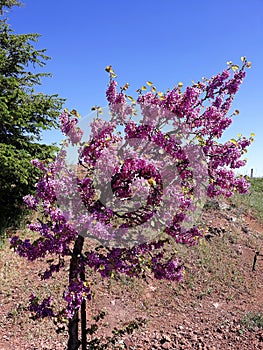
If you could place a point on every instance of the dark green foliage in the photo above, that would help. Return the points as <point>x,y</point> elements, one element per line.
<point>24,114</point>
<point>8,4</point>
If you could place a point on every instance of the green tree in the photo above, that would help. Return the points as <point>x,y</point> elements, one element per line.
<point>24,114</point>
<point>8,4</point>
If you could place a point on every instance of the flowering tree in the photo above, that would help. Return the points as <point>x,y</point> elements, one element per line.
<point>136,182</point>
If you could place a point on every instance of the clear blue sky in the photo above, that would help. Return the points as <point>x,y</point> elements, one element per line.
<point>165,42</point>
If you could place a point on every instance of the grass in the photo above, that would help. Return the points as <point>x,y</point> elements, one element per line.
<point>251,203</point>
<point>253,320</point>
<point>213,265</point>
<point>9,228</point>
<point>216,261</point>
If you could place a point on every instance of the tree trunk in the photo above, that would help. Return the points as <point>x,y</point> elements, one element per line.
<point>74,342</point>
<point>83,319</point>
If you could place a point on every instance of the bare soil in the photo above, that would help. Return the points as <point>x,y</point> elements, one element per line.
<point>218,306</point>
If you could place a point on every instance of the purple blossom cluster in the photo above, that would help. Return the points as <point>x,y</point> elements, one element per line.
<point>69,127</point>
<point>171,169</point>
<point>40,310</point>
<point>131,262</point>
<point>102,138</point>
<point>31,201</point>
<point>118,105</point>
<point>53,268</point>
<point>170,270</point>
<point>78,290</point>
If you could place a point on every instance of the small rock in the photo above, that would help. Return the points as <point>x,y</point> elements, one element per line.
<point>166,346</point>
<point>239,250</point>
<point>167,338</point>
<point>194,337</point>
<point>128,343</point>
<point>223,206</point>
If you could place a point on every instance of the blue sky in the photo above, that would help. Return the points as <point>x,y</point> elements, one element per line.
<point>164,42</point>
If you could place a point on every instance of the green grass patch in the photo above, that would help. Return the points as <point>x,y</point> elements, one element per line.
<point>253,320</point>
<point>252,202</point>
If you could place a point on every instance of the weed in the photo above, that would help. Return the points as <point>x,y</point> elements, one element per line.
<point>253,320</point>
<point>205,292</point>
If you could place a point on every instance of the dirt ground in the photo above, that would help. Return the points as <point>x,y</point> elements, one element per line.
<point>218,306</point>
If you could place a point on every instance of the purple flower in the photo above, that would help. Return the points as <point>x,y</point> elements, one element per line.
<point>40,310</point>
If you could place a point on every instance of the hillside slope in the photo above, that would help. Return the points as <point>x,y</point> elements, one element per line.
<point>219,305</point>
